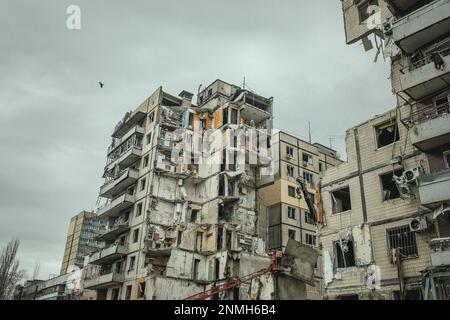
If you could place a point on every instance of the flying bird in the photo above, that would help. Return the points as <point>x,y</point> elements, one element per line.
<point>101,84</point>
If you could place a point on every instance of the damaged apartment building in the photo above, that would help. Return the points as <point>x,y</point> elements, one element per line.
<point>284,213</point>
<point>177,228</point>
<point>386,229</point>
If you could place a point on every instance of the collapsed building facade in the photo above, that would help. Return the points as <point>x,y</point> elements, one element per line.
<point>386,228</point>
<point>179,223</point>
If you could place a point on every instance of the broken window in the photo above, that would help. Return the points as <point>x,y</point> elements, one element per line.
<point>291,233</point>
<point>274,237</point>
<point>224,116</point>
<point>115,294</point>
<point>290,171</point>
<point>289,152</point>
<point>229,238</point>
<point>128,292</point>
<point>194,214</point>
<point>404,240</point>
<point>151,116</point>
<point>308,177</point>
<point>446,155</point>
<point>145,161</point>
<point>139,209</point>
<point>341,200</point>
<point>135,235</point>
<point>179,237</point>
<point>221,185</point>
<point>131,263</point>
<point>344,256</point>
<point>231,188</point>
<point>387,134</point>
<point>216,269</point>
<point>291,191</point>
<point>320,167</point>
<point>148,138</point>
<point>410,294</point>
<point>390,188</point>
<point>141,290</point>
<point>219,238</point>
<point>366,9</point>
<point>311,239</point>
<point>199,241</point>
<point>143,184</point>
<point>234,116</point>
<point>196,270</point>
<point>226,212</point>
<point>291,212</point>
<point>307,159</point>
<point>309,218</point>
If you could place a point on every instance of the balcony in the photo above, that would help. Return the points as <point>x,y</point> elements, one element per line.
<point>108,254</point>
<point>116,186</point>
<point>116,206</point>
<point>432,127</point>
<point>126,158</point>
<point>137,131</point>
<point>440,252</point>
<point>111,233</point>
<point>401,6</point>
<point>104,281</point>
<point>422,26</point>
<point>434,188</point>
<point>422,78</point>
<point>128,123</point>
<point>250,112</point>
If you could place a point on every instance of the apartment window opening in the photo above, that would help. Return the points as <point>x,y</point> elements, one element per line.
<point>387,134</point>
<point>291,212</point>
<point>199,241</point>
<point>128,292</point>
<point>291,233</point>
<point>311,239</point>
<point>135,235</point>
<point>194,215</point>
<point>195,276</point>
<point>341,200</point>
<point>307,159</point>
<point>291,191</point>
<point>289,152</point>
<point>404,240</point>
<point>290,171</point>
<point>309,218</point>
<point>143,184</point>
<point>132,263</point>
<point>367,9</point>
<point>344,253</point>
<point>141,290</point>
<point>148,138</point>
<point>390,188</point>
<point>139,209</point>
<point>179,237</point>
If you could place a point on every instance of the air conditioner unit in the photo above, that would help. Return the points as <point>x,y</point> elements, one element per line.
<point>418,224</point>
<point>412,174</point>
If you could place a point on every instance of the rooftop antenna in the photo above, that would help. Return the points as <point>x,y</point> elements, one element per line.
<point>244,84</point>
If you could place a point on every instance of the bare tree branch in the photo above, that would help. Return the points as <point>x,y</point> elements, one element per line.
<point>10,274</point>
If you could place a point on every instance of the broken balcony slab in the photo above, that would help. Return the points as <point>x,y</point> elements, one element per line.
<point>116,186</point>
<point>128,123</point>
<point>434,188</point>
<point>108,254</point>
<point>111,234</point>
<point>116,206</point>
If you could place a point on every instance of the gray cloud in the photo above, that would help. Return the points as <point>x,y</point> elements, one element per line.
<point>55,122</point>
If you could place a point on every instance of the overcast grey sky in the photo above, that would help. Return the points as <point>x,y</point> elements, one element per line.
<point>55,121</point>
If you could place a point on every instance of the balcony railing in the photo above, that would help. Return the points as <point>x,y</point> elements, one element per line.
<point>111,253</point>
<point>430,126</point>
<point>112,232</point>
<point>422,26</point>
